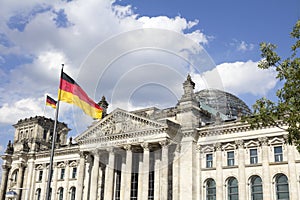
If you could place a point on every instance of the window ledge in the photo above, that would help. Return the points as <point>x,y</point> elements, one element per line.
<point>208,169</point>
<point>253,165</point>
<point>229,167</point>
<point>279,163</point>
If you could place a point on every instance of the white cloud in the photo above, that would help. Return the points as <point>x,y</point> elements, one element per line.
<point>240,78</point>
<point>242,45</point>
<point>94,23</point>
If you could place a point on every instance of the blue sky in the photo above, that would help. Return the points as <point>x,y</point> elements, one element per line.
<point>137,53</point>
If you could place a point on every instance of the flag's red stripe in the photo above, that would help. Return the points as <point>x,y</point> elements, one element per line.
<point>51,102</point>
<point>75,89</point>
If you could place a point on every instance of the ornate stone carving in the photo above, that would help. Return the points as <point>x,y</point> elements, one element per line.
<point>164,143</point>
<point>218,146</point>
<point>263,140</point>
<point>239,143</point>
<point>145,146</point>
<point>127,147</point>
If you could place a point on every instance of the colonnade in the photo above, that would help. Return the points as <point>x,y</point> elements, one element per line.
<point>133,165</point>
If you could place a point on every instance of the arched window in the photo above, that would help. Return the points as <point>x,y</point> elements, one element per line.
<point>210,189</point>
<point>233,190</point>
<point>282,187</point>
<point>38,194</point>
<point>256,188</point>
<point>73,193</point>
<point>60,193</point>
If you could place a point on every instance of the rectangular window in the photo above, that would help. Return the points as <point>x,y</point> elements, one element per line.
<point>209,160</point>
<point>40,177</point>
<point>253,156</point>
<point>278,156</point>
<point>62,173</point>
<point>74,172</point>
<point>230,158</point>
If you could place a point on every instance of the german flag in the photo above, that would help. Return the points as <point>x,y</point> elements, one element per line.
<point>71,92</point>
<point>50,102</point>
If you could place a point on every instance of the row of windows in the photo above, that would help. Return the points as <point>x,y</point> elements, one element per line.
<point>60,193</point>
<point>61,174</point>
<point>256,188</point>
<point>278,157</point>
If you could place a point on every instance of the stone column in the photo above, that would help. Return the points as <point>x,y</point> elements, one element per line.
<point>144,173</point>
<point>293,185</point>
<point>109,176</point>
<point>219,172</point>
<point>157,166</point>
<point>164,170</point>
<point>241,164</point>
<point>176,175</point>
<point>80,176</point>
<point>126,174</point>
<point>266,179</point>
<point>4,179</point>
<point>87,177</point>
<point>94,177</point>
<point>20,180</point>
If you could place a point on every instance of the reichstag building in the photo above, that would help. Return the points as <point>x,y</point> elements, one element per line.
<point>200,149</point>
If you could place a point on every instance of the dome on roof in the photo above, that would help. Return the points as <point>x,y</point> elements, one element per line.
<point>226,104</point>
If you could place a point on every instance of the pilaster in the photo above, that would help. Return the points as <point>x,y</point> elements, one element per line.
<point>266,179</point>
<point>241,164</point>
<point>219,172</point>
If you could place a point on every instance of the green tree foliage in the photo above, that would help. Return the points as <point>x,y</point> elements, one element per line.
<point>285,113</point>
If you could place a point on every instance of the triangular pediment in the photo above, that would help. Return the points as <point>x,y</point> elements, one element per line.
<point>117,123</point>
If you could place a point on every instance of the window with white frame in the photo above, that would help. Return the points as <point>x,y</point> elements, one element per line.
<point>278,155</point>
<point>253,156</point>
<point>282,187</point>
<point>60,193</point>
<point>230,158</point>
<point>256,188</point>
<point>210,189</point>
<point>232,189</point>
<point>38,194</point>
<point>74,172</point>
<point>209,160</point>
<point>62,173</point>
<point>40,175</point>
<point>73,193</point>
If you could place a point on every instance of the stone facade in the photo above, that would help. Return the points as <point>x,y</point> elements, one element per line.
<point>185,152</point>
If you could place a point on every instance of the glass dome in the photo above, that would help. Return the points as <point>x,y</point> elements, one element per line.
<point>227,105</point>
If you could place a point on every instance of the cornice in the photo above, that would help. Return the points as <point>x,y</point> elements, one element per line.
<point>223,129</point>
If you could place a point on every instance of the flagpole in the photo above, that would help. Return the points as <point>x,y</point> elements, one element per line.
<point>53,141</point>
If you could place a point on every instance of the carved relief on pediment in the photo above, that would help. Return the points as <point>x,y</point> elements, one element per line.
<point>119,122</point>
